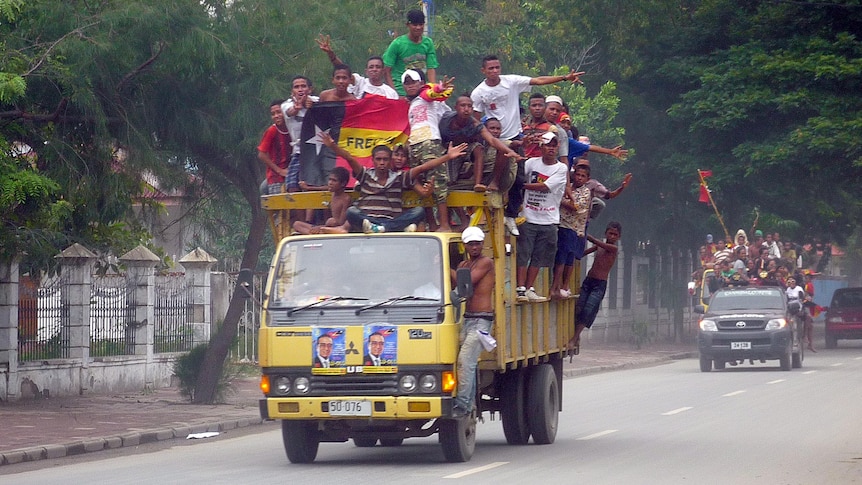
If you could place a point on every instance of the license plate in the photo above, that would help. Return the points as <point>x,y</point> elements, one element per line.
<point>740,346</point>
<point>350,408</point>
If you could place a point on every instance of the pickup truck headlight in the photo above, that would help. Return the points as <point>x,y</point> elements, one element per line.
<point>776,323</point>
<point>708,326</point>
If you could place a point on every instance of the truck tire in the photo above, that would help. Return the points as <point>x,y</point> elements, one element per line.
<point>513,407</point>
<point>543,404</point>
<point>785,360</point>
<point>391,441</point>
<point>365,442</point>
<point>831,341</point>
<point>719,364</point>
<point>705,364</point>
<point>458,438</point>
<point>301,440</point>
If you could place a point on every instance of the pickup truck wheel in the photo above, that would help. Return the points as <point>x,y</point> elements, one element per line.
<point>513,407</point>
<point>301,440</point>
<point>785,360</point>
<point>705,364</point>
<point>458,438</point>
<point>798,356</point>
<point>831,341</point>
<point>718,364</point>
<point>364,442</point>
<point>544,405</point>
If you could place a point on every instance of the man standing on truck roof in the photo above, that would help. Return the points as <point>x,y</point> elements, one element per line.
<point>478,317</point>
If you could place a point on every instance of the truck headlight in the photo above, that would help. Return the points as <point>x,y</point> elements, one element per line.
<point>407,383</point>
<point>776,323</point>
<point>708,326</point>
<point>428,383</point>
<point>282,385</point>
<point>300,385</point>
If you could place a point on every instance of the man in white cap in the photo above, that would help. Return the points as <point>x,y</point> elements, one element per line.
<point>478,317</point>
<point>543,191</point>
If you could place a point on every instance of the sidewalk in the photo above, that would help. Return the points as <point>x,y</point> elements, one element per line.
<point>64,426</point>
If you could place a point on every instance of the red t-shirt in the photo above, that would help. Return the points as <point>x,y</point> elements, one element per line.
<point>277,146</point>
<point>532,150</point>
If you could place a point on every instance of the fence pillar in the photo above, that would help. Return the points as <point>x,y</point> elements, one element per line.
<point>76,267</point>
<point>9,387</point>
<point>198,264</point>
<point>140,264</point>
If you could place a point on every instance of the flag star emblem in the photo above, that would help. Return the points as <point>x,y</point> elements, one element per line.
<point>315,140</point>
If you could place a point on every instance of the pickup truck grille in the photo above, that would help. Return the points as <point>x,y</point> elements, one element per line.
<point>734,324</point>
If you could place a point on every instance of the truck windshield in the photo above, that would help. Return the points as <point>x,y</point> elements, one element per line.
<point>358,271</point>
<point>751,299</point>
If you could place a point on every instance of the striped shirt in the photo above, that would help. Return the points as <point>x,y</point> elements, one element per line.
<point>383,201</point>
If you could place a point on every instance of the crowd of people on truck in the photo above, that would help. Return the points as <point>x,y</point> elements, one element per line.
<point>765,260</point>
<point>538,161</point>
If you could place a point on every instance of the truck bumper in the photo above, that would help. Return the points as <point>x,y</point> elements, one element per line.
<point>764,345</point>
<point>398,408</point>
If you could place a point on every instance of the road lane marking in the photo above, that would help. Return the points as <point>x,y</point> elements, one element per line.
<point>857,358</point>
<point>809,372</point>
<point>477,469</point>
<point>776,381</point>
<point>676,411</point>
<point>597,435</point>
<point>837,364</point>
<point>731,394</point>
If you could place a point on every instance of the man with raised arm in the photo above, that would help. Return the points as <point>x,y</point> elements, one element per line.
<point>498,96</point>
<point>372,83</point>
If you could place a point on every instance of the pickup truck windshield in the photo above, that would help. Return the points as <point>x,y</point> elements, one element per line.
<point>749,299</point>
<point>358,271</point>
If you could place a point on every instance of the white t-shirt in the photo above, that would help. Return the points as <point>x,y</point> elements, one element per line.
<point>543,208</point>
<point>362,85</point>
<point>795,293</point>
<point>502,102</point>
<point>294,123</point>
<point>425,119</point>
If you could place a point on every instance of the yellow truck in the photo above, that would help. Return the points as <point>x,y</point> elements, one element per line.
<point>330,298</point>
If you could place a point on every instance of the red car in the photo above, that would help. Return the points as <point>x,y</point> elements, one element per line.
<point>844,317</point>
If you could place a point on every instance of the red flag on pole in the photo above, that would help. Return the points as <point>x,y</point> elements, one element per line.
<point>704,190</point>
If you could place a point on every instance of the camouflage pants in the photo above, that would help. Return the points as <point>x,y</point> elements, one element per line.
<point>425,151</point>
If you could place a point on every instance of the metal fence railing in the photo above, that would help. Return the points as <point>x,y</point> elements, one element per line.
<point>112,331</point>
<point>173,329</point>
<point>245,350</point>
<point>42,334</point>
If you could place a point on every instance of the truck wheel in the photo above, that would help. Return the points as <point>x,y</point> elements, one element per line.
<point>831,341</point>
<point>364,442</point>
<point>705,364</point>
<point>718,364</point>
<point>798,356</point>
<point>544,405</point>
<point>301,440</point>
<point>513,409</point>
<point>785,360</point>
<point>458,438</point>
<point>391,441</point>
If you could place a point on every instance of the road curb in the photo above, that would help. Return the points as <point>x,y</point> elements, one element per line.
<point>134,438</point>
<point>570,373</point>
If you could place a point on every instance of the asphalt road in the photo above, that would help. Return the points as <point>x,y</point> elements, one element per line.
<point>666,424</point>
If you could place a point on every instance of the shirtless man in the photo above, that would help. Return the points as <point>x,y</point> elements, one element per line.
<point>478,317</point>
<point>341,200</point>
<point>594,285</point>
<point>342,77</point>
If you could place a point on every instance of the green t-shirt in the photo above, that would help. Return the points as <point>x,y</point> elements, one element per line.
<point>403,54</point>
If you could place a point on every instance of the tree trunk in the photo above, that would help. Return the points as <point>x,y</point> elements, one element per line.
<point>206,387</point>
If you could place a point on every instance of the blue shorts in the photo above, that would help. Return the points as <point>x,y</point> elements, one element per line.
<point>569,247</point>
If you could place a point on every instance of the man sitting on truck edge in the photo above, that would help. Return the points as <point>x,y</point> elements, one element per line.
<point>379,208</point>
<point>478,317</point>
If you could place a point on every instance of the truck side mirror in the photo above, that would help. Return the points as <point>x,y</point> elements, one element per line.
<point>244,282</point>
<point>464,283</point>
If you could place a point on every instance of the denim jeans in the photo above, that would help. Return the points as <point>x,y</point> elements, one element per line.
<point>407,217</point>
<point>590,301</point>
<point>468,360</point>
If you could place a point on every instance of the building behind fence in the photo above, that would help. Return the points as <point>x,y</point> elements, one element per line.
<point>79,333</point>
